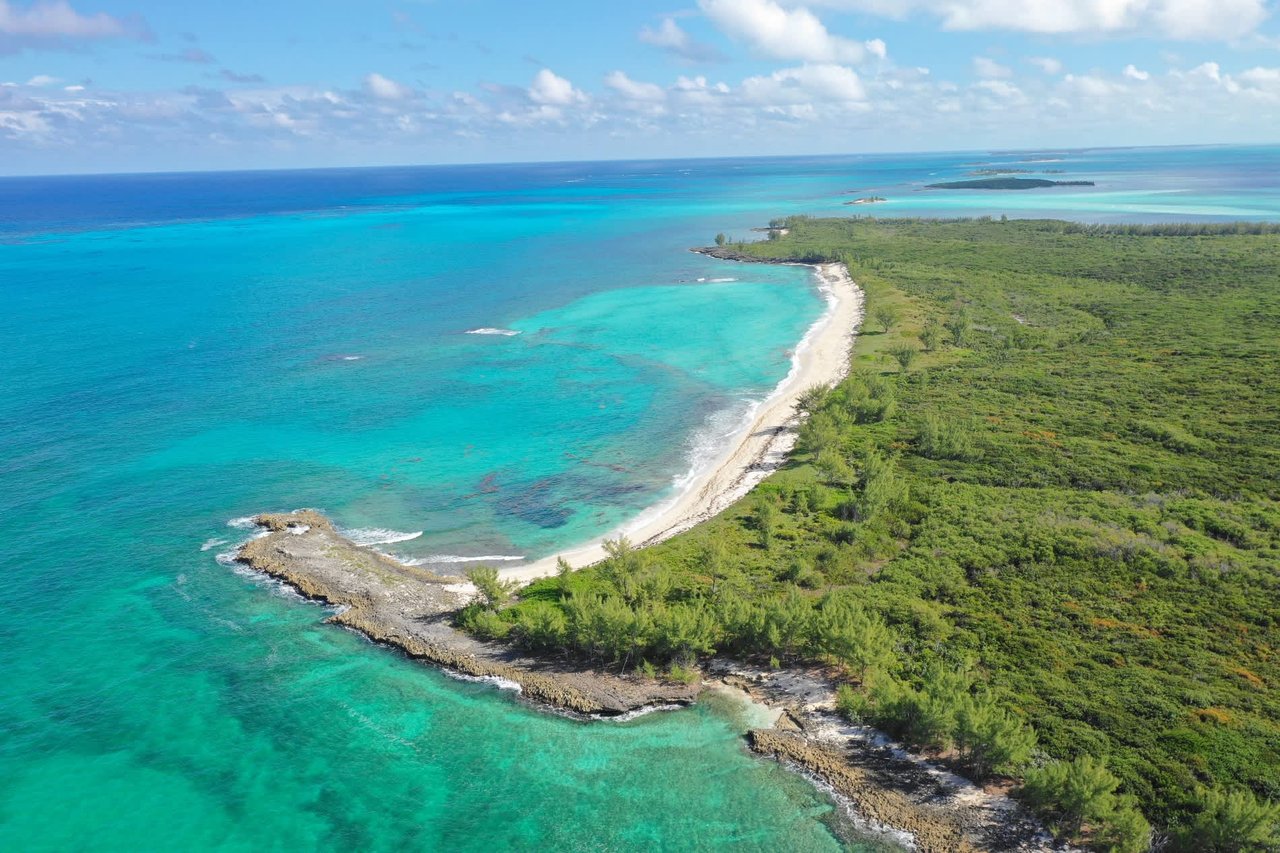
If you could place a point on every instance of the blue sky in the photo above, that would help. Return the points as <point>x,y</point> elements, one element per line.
<point>125,85</point>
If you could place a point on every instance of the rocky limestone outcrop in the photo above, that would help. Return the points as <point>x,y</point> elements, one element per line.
<point>412,609</point>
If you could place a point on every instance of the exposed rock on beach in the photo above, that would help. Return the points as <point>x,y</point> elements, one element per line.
<point>411,609</point>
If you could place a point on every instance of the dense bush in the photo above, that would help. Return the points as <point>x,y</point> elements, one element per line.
<point>1066,515</point>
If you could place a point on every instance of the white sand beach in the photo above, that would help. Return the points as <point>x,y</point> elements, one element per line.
<point>753,453</point>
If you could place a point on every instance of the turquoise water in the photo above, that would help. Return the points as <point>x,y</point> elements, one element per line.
<point>180,351</point>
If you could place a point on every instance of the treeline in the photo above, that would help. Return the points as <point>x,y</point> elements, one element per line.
<point>1057,226</point>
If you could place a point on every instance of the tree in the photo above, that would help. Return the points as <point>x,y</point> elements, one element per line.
<point>904,355</point>
<point>946,438</point>
<point>810,399</point>
<point>541,625</point>
<point>880,485</point>
<point>1236,822</point>
<point>990,739</point>
<point>886,318</point>
<point>958,326</point>
<point>721,239</point>
<point>854,636</point>
<point>766,520</point>
<point>563,571</point>
<point>1075,793</point>
<point>490,590</point>
<point>683,632</point>
<point>787,624</point>
<point>868,399</point>
<point>1071,792</point>
<point>931,335</point>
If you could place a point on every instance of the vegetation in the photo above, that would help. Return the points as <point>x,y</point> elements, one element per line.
<point>1006,184</point>
<point>1050,549</point>
<point>1236,822</point>
<point>1079,798</point>
<point>886,318</point>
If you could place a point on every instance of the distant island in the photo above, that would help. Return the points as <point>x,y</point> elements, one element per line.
<point>986,173</point>
<point>1007,184</point>
<point>871,199</point>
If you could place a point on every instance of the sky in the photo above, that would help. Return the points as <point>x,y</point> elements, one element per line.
<point>155,85</point>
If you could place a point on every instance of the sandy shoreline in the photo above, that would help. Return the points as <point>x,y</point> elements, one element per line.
<point>755,451</point>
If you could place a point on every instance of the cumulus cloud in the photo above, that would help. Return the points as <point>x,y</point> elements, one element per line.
<point>990,69</point>
<point>386,89</point>
<point>821,83</point>
<point>1180,19</point>
<point>774,31</point>
<point>553,90</point>
<point>869,108</point>
<point>55,23</point>
<point>674,40</point>
<point>633,89</point>
<point>1261,76</point>
<point>1047,64</point>
<point>1134,73</point>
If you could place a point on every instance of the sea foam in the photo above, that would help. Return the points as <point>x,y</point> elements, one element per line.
<point>458,558</point>
<point>486,330</point>
<point>367,536</point>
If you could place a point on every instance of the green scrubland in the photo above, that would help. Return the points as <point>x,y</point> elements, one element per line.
<point>1035,532</point>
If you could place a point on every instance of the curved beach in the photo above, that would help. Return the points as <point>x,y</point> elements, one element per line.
<point>755,451</point>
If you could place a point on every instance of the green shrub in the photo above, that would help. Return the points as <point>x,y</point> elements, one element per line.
<point>1235,822</point>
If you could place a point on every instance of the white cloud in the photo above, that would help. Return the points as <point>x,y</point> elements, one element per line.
<point>386,89</point>
<point>56,19</point>
<point>1261,76</point>
<point>1001,89</point>
<point>824,83</point>
<point>1090,86</point>
<point>1208,70</point>
<point>1047,64</point>
<point>553,90</point>
<point>633,89</point>
<point>1134,73</point>
<point>782,33</point>
<point>42,80</point>
<point>672,38</point>
<point>895,107</point>
<point>990,69</point>
<point>1180,19</point>
<point>698,90</point>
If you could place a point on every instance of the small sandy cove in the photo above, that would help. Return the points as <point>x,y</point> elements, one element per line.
<point>758,450</point>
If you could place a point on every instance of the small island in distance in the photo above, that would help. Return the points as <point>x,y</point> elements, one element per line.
<point>1007,184</point>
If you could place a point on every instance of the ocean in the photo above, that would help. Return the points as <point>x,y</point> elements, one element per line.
<point>453,362</point>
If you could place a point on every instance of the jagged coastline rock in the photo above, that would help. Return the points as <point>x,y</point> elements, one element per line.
<point>936,832</point>
<point>412,609</point>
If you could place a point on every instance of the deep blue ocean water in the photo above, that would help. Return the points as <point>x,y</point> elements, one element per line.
<point>179,351</point>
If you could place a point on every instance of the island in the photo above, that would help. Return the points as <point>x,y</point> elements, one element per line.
<point>871,199</point>
<point>1001,571</point>
<point>987,173</point>
<point>1006,184</point>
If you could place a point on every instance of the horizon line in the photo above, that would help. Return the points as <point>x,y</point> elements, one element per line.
<point>610,160</point>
